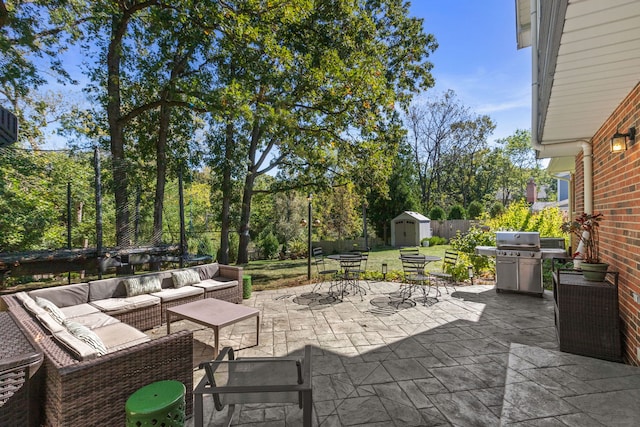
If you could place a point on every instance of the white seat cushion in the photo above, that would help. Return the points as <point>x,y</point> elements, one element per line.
<point>120,335</point>
<point>122,305</point>
<point>172,294</point>
<point>216,283</point>
<point>50,323</point>
<point>78,310</point>
<point>30,304</point>
<point>80,349</point>
<point>95,320</point>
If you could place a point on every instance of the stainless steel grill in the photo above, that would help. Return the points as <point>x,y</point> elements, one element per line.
<point>519,262</point>
<point>519,256</point>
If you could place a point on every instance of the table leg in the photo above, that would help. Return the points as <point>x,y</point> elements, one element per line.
<point>216,337</point>
<point>258,329</point>
<point>168,323</point>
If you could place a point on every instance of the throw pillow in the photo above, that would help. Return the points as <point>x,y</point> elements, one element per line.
<point>86,335</point>
<point>52,309</point>
<point>142,285</point>
<point>185,278</point>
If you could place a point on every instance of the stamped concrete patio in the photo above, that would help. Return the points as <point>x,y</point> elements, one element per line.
<point>472,358</point>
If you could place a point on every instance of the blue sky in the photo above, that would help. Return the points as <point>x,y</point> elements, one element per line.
<point>478,59</point>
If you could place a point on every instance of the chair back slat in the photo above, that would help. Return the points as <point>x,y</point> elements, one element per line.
<point>409,251</point>
<point>450,260</point>
<point>412,264</point>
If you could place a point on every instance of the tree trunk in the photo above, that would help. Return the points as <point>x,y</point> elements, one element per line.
<point>161,172</point>
<point>120,179</point>
<point>247,194</point>
<point>245,215</point>
<point>227,188</point>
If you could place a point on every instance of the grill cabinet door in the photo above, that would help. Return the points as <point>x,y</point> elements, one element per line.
<point>507,273</point>
<point>530,272</point>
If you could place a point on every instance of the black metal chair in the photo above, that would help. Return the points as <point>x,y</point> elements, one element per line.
<point>250,380</point>
<point>364,255</point>
<point>445,277</point>
<point>349,276</point>
<point>324,272</point>
<point>413,267</point>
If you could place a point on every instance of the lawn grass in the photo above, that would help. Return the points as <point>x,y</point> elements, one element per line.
<point>274,274</point>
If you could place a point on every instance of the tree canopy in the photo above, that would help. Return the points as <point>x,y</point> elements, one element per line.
<point>257,102</point>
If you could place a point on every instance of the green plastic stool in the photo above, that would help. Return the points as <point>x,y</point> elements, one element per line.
<point>157,404</point>
<point>246,286</point>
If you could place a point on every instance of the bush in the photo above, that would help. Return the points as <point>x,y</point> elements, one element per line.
<point>466,244</point>
<point>496,210</point>
<point>518,216</point>
<point>206,246</point>
<point>457,212</point>
<point>474,210</point>
<point>268,244</point>
<point>298,249</point>
<point>437,240</point>
<point>437,213</point>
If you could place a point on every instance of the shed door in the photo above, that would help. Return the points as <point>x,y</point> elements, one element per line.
<point>405,233</point>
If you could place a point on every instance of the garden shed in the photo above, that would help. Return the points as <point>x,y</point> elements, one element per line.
<point>409,228</point>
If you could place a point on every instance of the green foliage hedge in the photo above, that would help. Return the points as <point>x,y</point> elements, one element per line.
<point>268,244</point>
<point>457,212</point>
<point>517,216</point>
<point>437,213</point>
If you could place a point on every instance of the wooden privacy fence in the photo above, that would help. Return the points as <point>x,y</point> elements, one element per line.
<point>448,228</point>
<point>339,246</point>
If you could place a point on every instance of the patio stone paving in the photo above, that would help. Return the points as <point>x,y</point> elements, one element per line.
<point>472,358</point>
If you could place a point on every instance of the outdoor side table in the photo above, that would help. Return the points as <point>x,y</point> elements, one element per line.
<point>20,360</point>
<point>586,315</point>
<point>161,403</point>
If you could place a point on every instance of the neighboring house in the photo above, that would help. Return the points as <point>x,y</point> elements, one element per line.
<point>586,62</point>
<point>409,228</point>
<point>8,127</point>
<point>563,179</point>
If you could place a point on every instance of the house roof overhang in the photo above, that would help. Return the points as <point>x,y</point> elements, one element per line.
<point>588,61</point>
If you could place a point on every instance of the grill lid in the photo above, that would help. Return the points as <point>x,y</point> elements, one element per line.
<point>518,240</point>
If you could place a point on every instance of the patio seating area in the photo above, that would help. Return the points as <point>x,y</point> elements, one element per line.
<point>472,358</point>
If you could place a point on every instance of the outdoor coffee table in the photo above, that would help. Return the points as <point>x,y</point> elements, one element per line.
<point>215,314</point>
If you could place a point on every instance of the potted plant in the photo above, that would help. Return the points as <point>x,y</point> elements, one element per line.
<point>585,228</point>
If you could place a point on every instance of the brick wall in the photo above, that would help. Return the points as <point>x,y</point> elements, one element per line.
<point>616,193</point>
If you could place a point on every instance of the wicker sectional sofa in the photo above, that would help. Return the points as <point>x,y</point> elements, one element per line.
<point>87,383</point>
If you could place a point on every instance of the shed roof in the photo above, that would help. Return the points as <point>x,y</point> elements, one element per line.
<point>415,215</point>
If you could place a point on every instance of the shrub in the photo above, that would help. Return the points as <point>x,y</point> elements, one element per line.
<point>518,216</point>
<point>474,210</point>
<point>457,212</point>
<point>437,213</point>
<point>466,244</point>
<point>496,210</point>
<point>268,244</point>
<point>437,240</point>
<point>206,246</point>
<point>298,248</point>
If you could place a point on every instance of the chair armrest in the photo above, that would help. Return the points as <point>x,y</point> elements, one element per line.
<point>231,272</point>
